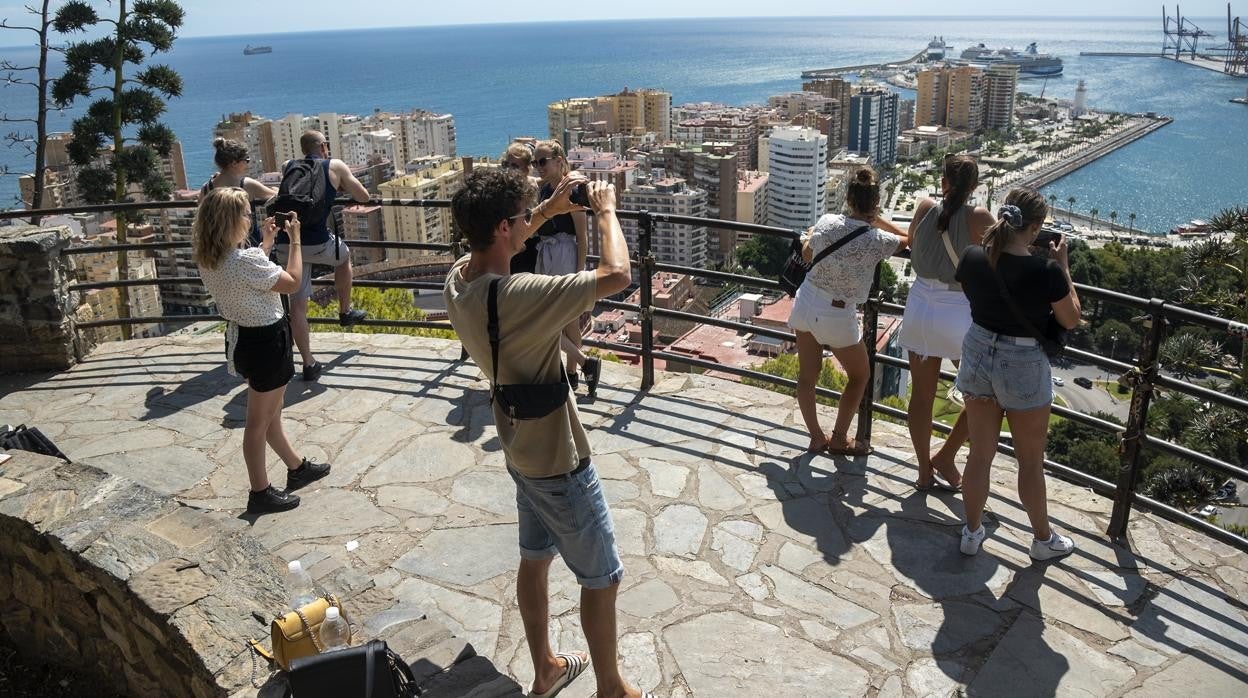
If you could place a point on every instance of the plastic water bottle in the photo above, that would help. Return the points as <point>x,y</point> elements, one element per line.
<point>334,633</point>
<point>299,583</point>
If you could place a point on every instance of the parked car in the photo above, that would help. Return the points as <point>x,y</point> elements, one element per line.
<point>1207,511</point>
<point>1057,380</point>
<point>1083,382</point>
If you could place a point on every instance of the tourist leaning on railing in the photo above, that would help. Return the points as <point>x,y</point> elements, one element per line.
<point>825,310</point>
<point>937,314</point>
<point>232,158</point>
<point>1005,370</point>
<point>246,288</point>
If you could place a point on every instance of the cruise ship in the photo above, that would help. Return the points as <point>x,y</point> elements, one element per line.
<point>253,50</point>
<point>936,49</point>
<point>1029,62</point>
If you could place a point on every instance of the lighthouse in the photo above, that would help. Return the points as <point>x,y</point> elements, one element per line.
<point>1081,101</point>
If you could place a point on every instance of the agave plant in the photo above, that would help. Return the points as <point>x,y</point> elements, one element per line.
<point>1187,355</point>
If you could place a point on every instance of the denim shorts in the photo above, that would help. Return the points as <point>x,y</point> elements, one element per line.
<point>567,515</point>
<point>1014,371</point>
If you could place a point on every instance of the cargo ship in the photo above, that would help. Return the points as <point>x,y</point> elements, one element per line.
<point>253,50</point>
<point>1030,62</point>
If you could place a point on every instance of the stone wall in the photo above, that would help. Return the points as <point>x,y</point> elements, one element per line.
<point>112,580</point>
<point>36,310</point>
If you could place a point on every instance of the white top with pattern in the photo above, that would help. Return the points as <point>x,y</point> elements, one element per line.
<point>242,288</point>
<point>846,274</point>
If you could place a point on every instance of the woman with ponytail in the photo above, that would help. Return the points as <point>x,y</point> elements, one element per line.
<point>232,160</point>
<point>825,311</point>
<point>937,315</point>
<point>1005,371</point>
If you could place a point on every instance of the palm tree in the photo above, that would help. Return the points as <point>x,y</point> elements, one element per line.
<point>1094,213</point>
<point>1113,222</point>
<point>1053,204</point>
<point>1070,200</point>
<point>1131,218</point>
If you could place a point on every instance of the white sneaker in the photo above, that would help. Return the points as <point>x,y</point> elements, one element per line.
<point>971,541</point>
<point>1055,546</point>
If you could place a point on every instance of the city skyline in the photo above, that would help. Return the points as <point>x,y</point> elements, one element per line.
<point>322,15</point>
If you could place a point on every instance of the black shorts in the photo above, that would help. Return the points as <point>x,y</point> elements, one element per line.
<point>263,355</point>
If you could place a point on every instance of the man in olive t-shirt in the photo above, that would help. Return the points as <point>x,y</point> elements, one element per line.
<point>560,504</point>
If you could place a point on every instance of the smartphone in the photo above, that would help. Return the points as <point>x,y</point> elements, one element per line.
<point>280,219</point>
<point>1046,236</point>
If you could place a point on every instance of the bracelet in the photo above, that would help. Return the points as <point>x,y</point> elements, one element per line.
<point>294,244</point>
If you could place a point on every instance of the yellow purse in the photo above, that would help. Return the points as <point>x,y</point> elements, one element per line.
<point>295,634</point>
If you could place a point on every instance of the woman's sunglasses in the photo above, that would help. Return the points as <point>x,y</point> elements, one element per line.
<point>541,162</point>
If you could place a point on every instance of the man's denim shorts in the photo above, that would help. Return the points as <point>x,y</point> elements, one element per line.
<point>567,515</point>
<point>1012,370</point>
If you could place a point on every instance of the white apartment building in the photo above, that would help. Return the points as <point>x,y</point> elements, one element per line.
<point>419,133</point>
<point>365,146</point>
<point>797,161</point>
<point>672,243</point>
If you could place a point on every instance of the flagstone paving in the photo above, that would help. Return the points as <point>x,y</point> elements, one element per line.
<point>752,568</point>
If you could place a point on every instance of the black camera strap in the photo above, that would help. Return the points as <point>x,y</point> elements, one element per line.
<point>491,327</point>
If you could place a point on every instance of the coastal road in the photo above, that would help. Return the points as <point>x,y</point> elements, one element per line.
<point>1089,400</point>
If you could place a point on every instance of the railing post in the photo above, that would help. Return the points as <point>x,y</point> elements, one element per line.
<point>646,316</point>
<point>870,320</point>
<point>1142,380</point>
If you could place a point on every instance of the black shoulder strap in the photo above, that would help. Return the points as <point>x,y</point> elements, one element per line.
<point>838,245</point>
<point>491,327</point>
<point>1018,312</point>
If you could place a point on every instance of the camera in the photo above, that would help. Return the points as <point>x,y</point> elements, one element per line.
<point>580,194</point>
<point>281,218</point>
<point>1046,236</point>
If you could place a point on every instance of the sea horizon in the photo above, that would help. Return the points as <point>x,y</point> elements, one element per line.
<point>497,86</point>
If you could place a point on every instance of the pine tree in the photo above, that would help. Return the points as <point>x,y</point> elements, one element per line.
<point>127,117</point>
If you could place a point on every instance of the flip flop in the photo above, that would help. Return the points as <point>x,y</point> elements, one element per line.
<point>938,483</point>
<point>575,667</point>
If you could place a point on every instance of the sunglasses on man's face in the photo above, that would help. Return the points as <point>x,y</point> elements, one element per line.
<point>526,214</point>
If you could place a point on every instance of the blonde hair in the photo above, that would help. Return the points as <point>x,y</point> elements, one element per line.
<point>221,223</point>
<point>555,148</point>
<point>520,151</point>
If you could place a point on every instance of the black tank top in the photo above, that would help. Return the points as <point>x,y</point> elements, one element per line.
<point>561,223</point>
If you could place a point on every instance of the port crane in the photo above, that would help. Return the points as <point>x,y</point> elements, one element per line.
<point>1181,34</point>
<point>1237,45</point>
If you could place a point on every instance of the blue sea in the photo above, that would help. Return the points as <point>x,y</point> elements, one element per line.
<point>497,80</point>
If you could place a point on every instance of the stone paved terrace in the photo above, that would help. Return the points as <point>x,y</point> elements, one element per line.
<point>752,568</point>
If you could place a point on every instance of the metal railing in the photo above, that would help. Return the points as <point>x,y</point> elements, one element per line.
<point>1144,376</point>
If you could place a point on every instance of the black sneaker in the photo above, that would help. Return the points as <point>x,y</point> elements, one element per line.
<point>270,500</point>
<point>311,373</point>
<point>351,317</point>
<point>593,371</point>
<point>307,473</point>
<point>573,379</point>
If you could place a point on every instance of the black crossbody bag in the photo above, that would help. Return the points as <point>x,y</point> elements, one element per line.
<point>521,401</point>
<point>796,268</point>
<point>1052,340</point>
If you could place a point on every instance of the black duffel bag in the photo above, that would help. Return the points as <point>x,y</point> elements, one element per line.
<point>521,401</point>
<point>364,671</point>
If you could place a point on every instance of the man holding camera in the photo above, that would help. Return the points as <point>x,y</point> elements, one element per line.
<point>560,502</point>
<point>322,246</point>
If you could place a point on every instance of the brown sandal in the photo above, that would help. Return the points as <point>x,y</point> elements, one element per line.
<point>851,448</point>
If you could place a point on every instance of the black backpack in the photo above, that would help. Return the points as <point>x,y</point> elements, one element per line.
<point>303,190</point>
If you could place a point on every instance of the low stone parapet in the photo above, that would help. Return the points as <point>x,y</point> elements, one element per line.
<point>107,578</point>
<point>36,309</point>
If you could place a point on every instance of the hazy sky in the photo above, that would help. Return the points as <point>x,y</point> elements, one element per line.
<point>217,17</point>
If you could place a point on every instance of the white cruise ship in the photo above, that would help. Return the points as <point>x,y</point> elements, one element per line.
<point>1029,62</point>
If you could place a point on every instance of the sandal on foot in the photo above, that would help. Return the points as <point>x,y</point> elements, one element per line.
<point>938,483</point>
<point>576,665</point>
<point>851,448</point>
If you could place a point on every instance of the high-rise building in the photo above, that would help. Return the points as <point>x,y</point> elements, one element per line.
<point>418,133</point>
<point>873,124</point>
<point>256,133</point>
<point>425,224</point>
<point>797,160</point>
<point>175,226</point>
<point>751,200</point>
<point>1002,87</point>
<point>931,105</point>
<point>672,243</point>
<point>144,301</point>
<point>711,167</point>
<point>840,90</point>
<point>601,166</point>
<point>364,222</point>
<point>568,114</point>
<point>966,99</point>
<point>905,114</point>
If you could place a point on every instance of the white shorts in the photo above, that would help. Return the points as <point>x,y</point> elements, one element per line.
<point>813,312</point>
<point>936,320</point>
<point>556,254</point>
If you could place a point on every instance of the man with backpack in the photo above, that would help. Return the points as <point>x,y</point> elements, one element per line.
<point>309,187</point>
